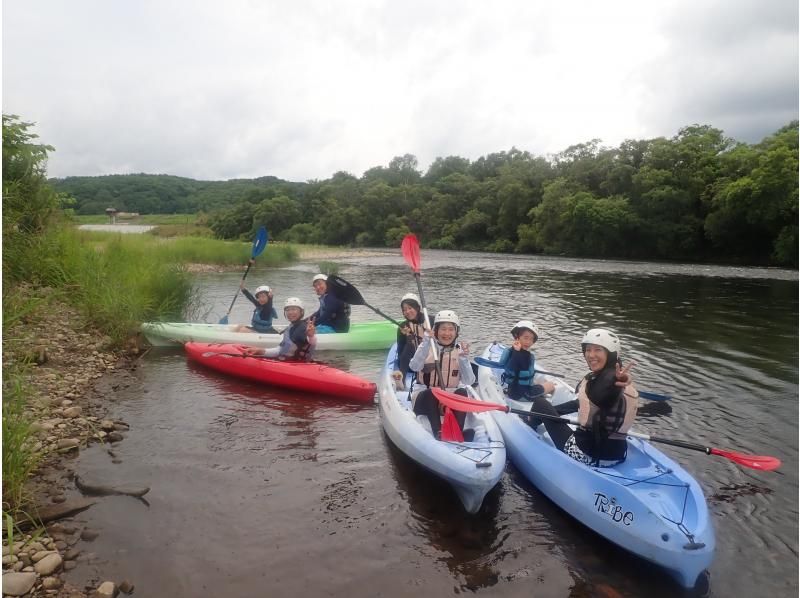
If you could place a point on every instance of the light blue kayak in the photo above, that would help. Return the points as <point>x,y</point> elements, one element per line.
<point>648,504</point>
<point>471,468</point>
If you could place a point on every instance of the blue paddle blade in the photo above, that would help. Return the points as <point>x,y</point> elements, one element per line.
<point>260,242</point>
<point>653,396</point>
<point>488,363</point>
<point>224,319</point>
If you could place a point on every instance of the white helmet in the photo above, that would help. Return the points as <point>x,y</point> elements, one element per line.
<point>600,336</point>
<point>525,325</point>
<point>319,277</point>
<point>447,315</point>
<point>262,289</point>
<point>294,302</point>
<point>410,297</point>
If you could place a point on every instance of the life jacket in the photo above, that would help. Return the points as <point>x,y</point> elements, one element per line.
<point>448,361</point>
<point>519,369</point>
<point>295,345</point>
<point>618,418</point>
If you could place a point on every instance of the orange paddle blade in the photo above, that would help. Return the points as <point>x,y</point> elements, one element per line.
<point>410,250</point>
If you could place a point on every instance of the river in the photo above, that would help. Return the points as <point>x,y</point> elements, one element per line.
<point>257,491</point>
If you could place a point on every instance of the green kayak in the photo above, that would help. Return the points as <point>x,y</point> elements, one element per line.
<point>362,337</point>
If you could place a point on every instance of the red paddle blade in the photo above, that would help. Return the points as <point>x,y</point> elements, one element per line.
<point>450,429</point>
<point>459,403</point>
<point>761,462</point>
<point>410,250</point>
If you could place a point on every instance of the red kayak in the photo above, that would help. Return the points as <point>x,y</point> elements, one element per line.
<point>316,378</point>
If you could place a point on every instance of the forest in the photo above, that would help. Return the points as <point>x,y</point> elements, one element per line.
<point>697,196</point>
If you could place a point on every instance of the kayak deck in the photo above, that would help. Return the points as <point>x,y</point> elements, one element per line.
<point>311,377</point>
<point>361,337</point>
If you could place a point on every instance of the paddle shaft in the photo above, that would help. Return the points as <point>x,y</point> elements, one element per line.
<point>383,315</point>
<point>249,264</point>
<point>427,325</point>
<point>680,443</point>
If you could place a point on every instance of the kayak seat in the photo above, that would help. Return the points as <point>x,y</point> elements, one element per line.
<point>425,423</point>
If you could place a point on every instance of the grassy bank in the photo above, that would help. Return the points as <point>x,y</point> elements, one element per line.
<point>115,282</point>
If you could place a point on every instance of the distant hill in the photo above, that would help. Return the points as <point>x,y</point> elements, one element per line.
<point>167,194</point>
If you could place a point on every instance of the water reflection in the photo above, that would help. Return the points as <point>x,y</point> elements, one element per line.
<point>468,542</point>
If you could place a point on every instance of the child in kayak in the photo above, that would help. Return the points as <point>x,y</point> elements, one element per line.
<point>409,335</point>
<point>454,365</point>
<point>333,314</point>
<point>607,402</point>
<point>264,312</point>
<point>518,362</point>
<point>299,338</point>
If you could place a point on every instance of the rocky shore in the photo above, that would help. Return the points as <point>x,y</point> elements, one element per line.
<point>67,361</point>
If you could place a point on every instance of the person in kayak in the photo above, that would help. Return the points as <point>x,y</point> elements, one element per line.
<point>409,335</point>
<point>264,312</point>
<point>453,364</point>
<point>333,314</point>
<point>519,362</point>
<point>606,404</point>
<point>299,338</point>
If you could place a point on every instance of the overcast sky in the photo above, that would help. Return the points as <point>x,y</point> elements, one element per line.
<point>299,90</point>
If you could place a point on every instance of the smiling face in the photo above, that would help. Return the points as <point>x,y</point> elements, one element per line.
<point>596,357</point>
<point>526,339</point>
<point>293,313</point>
<point>409,312</point>
<point>262,298</point>
<point>446,333</point>
<point>320,286</point>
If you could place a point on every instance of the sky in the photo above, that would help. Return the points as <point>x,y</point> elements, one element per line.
<point>215,90</point>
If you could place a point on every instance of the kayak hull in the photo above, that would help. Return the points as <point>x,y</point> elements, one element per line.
<point>471,468</point>
<point>362,337</point>
<point>648,505</point>
<point>315,378</point>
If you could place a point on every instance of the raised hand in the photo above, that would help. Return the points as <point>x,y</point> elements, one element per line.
<point>463,349</point>
<point>623,374</point>
<point>516,345</point>
<point>311,330</point>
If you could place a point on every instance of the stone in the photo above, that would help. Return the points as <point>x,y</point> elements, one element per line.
<point>107,589</point>
<point>73,412</point>
<point>51,583</point>
<point>72,554</point>
<point>17,584</point>
<point>69,565</point>
<point>107,425</point>
<point>48,564</point>
<point>88,535</point>
<point>10,559</point>
<point>68,443</point>
<point>38,556</point>
<point>18,566</point>
<point>126,587</point>
<point>59,498</point>
<point>115,436</point>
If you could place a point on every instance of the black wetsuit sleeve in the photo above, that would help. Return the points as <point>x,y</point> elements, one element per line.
<point>250,297</point>
<point>602,389</point>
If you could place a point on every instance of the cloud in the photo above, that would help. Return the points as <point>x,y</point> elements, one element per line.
<point>301,90</point>
<point>734,66</point>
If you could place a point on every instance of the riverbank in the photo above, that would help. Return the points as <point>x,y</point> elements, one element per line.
<point>66,359</point>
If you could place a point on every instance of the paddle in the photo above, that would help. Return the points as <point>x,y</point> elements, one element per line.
<point>259,243</point>
<point>410,250</point>
<point>496,366</point>
<point>460,403</point>
<point>644,394</point>
<point>345,291</point>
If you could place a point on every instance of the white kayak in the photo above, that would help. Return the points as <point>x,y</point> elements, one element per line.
<point>647,504</point>
<point>361,337</point>
<point>471,468</point>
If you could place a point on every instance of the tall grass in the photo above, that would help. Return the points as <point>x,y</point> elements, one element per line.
<point>19,457</point>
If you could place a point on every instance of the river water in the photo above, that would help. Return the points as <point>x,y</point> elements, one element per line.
<point>257,491</point>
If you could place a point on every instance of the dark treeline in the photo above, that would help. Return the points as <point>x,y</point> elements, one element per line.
<point>696,196</point>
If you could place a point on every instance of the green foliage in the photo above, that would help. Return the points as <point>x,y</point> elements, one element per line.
<point>695,196</point>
